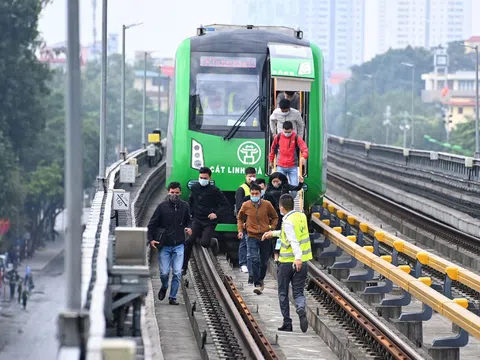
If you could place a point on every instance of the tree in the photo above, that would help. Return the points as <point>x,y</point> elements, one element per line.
<point>133,105</point>
<point>392,86</point>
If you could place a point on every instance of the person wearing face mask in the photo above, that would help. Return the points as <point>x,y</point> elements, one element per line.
<point>292,96</point>
<point>257,216</point>
<point>207,204</point>
<point>286,148</point>
<point>286,113</point>
<point>295,252</point>
<point>242,191</point>
<point>172,220</point>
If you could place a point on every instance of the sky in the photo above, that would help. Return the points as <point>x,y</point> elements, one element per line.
<point>167,23</point>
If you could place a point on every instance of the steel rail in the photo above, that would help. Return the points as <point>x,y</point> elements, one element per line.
<point>385,337</point>
<point>458,237</point>
<point>235,320</point>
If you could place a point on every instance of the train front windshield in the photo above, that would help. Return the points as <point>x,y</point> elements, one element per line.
<point>222,88</point>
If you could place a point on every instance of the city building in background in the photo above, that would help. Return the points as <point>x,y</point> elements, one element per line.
<point>427,23</point>
<point>159,82</point>
<point>55,54</point>
<point>456,92</point>
<point>336,26</point>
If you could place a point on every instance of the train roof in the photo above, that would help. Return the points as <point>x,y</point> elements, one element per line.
<point>242,40</point>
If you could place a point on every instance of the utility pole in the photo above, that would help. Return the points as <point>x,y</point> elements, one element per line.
<point>387,123</point>
<point>103,100</point>
<point>412,113</point>
<point>72,323</point>
<point>345,105</point>
<point>477,151</point>
<point>144,114</point>
<point>159,95</point>
<point>122,96</point>
<point>373,100</point>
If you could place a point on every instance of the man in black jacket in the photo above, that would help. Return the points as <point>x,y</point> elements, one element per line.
<point>167,228</point>
<point>207,203</point>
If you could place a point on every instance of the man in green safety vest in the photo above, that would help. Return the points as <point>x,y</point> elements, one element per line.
<point>242,191</point>
<point>295,252</point>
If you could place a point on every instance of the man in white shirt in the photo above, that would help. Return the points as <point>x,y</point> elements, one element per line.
<point>284,113</point>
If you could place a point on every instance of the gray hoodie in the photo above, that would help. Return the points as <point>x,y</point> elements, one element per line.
<point>278,118</point>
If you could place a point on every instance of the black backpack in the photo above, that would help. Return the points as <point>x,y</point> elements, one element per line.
<point>277,146</point>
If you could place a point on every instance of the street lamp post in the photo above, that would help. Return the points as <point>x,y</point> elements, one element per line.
<point>412,113</point>
<point>345,105</point>
<point>122,96</point>
<point>477,149</point>
<point>373,98</point>
<point>144,114</point>
<point>103,107</point>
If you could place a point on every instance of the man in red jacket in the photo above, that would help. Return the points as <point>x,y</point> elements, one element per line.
<point>287,147</point>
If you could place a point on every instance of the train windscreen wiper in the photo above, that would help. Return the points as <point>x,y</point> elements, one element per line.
<point>246,114</point>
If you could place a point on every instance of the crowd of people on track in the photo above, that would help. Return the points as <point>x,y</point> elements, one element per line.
<point>263,211</point>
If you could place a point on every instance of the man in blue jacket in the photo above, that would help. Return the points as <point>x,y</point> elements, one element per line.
<point>166,229</point>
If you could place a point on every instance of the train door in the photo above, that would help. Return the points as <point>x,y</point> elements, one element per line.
<point>291,74</point>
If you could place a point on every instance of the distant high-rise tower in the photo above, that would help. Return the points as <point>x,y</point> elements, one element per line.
<point>337,26</point>
<point>425,23</point>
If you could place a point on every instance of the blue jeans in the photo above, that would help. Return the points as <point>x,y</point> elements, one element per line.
<point>242,251</point>
<point>171,256</point>
<point>258,254</point>
<point>292,176</point>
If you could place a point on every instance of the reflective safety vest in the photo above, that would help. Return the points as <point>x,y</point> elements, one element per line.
<point>300,224</point>
<point>245,188</point>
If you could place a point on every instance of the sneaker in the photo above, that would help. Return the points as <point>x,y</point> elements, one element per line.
<point>244,268</point>
<point>250,280</point>
<point>303,319</point>
<point>286,327</point>
<point>162,293</point>
<point>258,289</point>
<point>173,302</point>
<point>184,272</point>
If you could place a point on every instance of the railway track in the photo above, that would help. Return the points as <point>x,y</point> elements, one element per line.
<point>362,327</point>
<point>437,229</point>
<point>232,327</point>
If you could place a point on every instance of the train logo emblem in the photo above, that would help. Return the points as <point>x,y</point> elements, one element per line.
<point>249,153</point>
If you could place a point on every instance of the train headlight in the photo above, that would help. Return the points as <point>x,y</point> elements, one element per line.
<point>197,160</point>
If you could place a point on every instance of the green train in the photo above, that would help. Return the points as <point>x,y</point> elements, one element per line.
<point>225,86</point>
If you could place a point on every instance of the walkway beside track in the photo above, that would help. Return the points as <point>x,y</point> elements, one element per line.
<point>266,310</point>
<point>176,335</point>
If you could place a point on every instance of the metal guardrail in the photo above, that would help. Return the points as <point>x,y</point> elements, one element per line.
<point>452,309</point>
<point>95,253</point>
<point>460,167</point>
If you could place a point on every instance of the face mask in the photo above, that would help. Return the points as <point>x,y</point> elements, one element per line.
<point>252,179</point>
<point>263,192</point>
<point>276,185</point>
<point>255,198</point>
<point>286,113</point>
<point>204,182</point>
<point>173,198</point>
<point>287,134</point>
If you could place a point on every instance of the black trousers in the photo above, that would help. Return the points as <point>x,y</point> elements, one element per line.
<point>285,276</point>
<point>201,231</point>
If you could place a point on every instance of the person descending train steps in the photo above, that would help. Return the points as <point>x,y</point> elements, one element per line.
<point>242,191</point>
<point>295,252</point>
<point>257,216</point>
<point>287,147</point>
<point>292,96</point>
<point>207,204</point>
<point>283,114</point>
<point>166,234</point>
